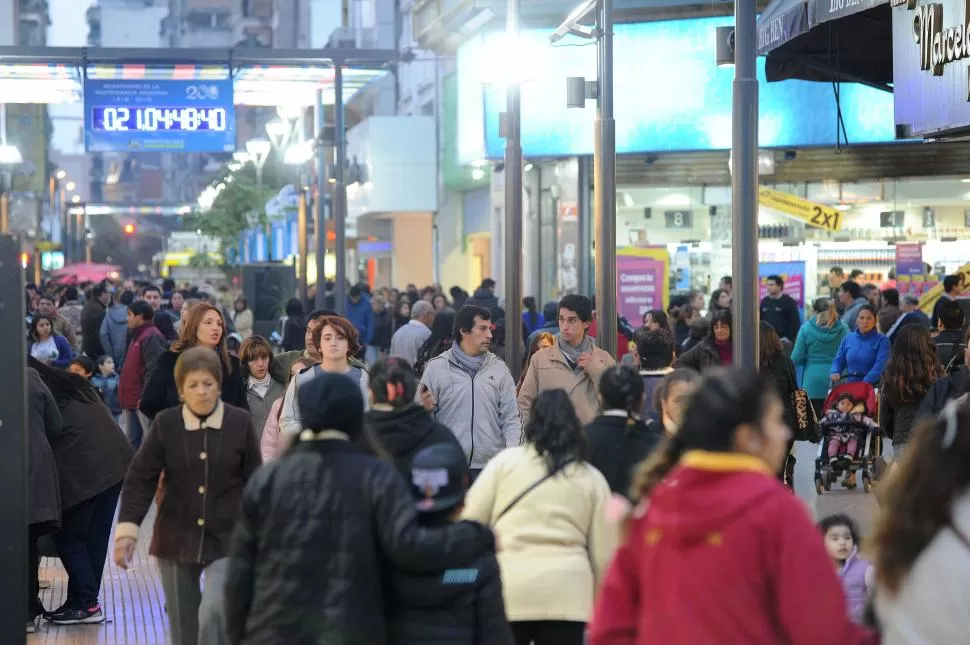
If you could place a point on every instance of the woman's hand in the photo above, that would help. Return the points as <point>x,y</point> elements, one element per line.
<point>836,378</point>
<point>124,551</point>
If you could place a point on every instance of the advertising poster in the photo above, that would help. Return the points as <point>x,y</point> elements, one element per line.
<point>642,281</point>
<point>793,273</point>
<point>909,259</point>
<point>568,247</point>
<point>681,268</point>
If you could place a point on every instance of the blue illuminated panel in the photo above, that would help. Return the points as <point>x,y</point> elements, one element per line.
<point>159,115</point>
<point>669,96</point>
<point>155,119</point>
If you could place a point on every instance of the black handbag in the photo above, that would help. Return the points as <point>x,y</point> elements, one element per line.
<point>806,422</point>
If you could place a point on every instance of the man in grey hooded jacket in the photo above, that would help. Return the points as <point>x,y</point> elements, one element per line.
<point>470,390</point>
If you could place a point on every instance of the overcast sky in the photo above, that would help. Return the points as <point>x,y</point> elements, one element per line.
<point>69,28</point>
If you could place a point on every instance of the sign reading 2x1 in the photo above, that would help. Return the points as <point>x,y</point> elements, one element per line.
<point>159,115</point>
<point>811,213</point>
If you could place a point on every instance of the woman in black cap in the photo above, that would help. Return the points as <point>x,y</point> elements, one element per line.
<point>304,569</point>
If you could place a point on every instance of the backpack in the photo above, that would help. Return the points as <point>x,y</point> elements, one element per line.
<point>951,355</point>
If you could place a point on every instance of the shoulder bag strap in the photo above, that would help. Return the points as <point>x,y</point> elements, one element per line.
<point>960,535</point>
<point>528,490</point>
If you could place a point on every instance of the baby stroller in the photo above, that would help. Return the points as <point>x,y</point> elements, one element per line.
<point>862,462</point>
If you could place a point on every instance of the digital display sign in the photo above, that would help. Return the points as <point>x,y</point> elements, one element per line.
<point>670,96</point>
<point>154,119</point>
<point>159,115</point>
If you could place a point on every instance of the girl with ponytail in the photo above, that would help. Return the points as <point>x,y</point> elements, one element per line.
<point>619,438</point>
<point>401,426</point>
<point>736,552</point>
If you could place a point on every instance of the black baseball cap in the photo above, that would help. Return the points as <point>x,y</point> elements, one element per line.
<point>439,478</point>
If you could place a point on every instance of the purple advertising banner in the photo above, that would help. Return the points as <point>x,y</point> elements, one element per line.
<point>909,259</point>
<point>641,282</point>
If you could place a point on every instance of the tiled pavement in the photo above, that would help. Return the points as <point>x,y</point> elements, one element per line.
<point>132,601</point>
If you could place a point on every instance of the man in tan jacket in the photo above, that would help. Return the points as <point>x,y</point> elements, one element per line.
<point>573,364</point>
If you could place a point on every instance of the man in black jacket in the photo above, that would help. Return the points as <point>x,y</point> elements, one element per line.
<point>950,342</point>
<point>780,310</point>
<point>92,315</point>
<point>457,606</point>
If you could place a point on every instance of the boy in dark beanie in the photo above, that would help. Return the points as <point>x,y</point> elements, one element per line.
<point>460,605</point>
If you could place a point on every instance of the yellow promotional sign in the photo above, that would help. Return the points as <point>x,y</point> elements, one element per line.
<point>928,300</point>
<point>811,213</point>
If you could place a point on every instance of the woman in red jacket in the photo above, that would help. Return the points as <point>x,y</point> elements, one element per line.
<point>719,552</point>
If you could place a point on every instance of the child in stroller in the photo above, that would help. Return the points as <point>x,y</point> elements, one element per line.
<point>843,427</point>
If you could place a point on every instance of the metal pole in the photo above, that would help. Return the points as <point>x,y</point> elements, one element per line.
<point>340,193</point>
<point>604,180</point>
<point>583,246</point>
<point>13,457</point>
<point>79,227</point>
<point>513,209</point>
<point>302,242</point>
<point>85,226</point>
<point>744,187</point>
<point>319,123</point>
<point>4,206</point>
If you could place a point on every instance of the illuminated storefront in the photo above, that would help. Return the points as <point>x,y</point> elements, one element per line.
<point>673,120</point>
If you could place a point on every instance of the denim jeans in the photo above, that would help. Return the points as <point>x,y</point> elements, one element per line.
<point>82,543</point>
<point>195,616</point>
<point>133,428</point>
<point>372,354</point>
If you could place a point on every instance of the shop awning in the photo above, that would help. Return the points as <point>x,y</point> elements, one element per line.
<point>837,40</point>
<point>780,22</point>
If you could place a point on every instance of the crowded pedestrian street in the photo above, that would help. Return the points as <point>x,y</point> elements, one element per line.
<point>573,322</point>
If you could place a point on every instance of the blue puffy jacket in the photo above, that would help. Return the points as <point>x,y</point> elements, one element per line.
<point>862,357</point>
<point>361,316</point>
<point>815,348</point>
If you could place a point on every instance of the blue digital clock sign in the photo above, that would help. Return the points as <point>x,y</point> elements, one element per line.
<point>159,115</point>
<point>154,119</point>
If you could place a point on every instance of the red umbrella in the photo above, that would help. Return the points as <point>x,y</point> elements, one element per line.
<point>84,272</point>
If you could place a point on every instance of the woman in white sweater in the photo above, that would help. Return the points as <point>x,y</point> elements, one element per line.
<point>548,507</point>
<point>922,537</point>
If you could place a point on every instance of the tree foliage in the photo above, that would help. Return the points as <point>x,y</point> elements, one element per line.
<point>243,198</point>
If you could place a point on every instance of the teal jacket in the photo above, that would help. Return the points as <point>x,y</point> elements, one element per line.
<point>814,350</point>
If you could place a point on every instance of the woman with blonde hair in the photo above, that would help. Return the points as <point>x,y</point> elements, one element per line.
<point>202,326</point>
<point>816,345</point>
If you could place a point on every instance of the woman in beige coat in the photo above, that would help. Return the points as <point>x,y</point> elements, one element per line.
<point>242,318</point>
<point>574,363</point>
<point>548,507</point>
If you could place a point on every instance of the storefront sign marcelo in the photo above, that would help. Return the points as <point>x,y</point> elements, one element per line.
<point>938,45</point>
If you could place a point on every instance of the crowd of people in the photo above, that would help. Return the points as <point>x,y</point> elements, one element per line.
<point>380,477</point>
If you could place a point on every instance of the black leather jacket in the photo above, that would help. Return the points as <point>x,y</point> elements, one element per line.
<point>318,533</point>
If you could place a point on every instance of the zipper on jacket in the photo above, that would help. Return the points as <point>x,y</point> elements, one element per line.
<point>471,454</point>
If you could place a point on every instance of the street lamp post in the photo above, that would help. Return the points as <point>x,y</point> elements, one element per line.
<point>319,125</point>
<point>513,204</point>
<point>604,161</point>
<point>744,186</point>
<point>9,158</point>
<point>258,150</point>
<point>339,194</point>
